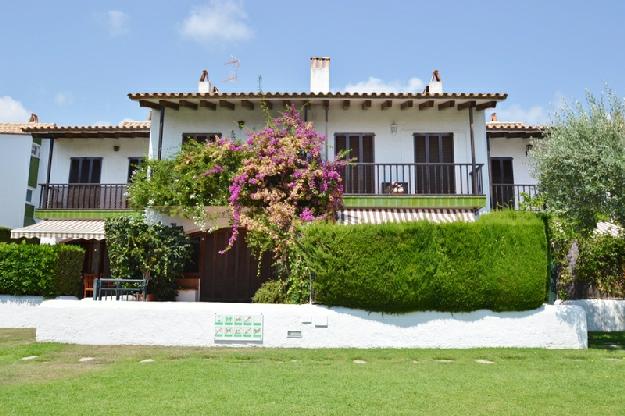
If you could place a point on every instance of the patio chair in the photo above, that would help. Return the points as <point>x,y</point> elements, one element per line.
<point>87,284</point>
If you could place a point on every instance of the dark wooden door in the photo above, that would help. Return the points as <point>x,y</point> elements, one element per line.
<point>434,158</point>
<point>359,177</point>
<point>83,190</point>
<point>502,175</point>
<point>233,276</point>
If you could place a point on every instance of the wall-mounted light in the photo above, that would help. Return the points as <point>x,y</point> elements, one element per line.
<point>116,148</point>
<point>393,128</point>
<point>528,149</point>
<point>241,124</point>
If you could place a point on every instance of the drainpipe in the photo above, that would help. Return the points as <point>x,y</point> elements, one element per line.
<point>161,121</point>
<point>490,174</point>
<point>473,163</point>
<point>327,108</point>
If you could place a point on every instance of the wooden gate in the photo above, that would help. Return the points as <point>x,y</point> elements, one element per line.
<point>232,276</point>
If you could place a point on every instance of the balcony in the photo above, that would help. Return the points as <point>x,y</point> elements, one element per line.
<point>413,185</point>
<point>511,196</point>
<point>83,196</point>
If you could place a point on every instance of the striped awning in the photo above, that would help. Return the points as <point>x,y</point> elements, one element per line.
<point>379,216</point>
<point>63,230</point>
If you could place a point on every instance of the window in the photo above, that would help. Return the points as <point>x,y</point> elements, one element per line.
<point>134,163</point>
<point>35,150</point>
<point>29,195</point>
<point>199,137</point>
<point>85,170</point>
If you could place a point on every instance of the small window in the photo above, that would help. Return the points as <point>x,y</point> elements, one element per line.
<point>35,151</point>
<point>29,195</point>
<point>134,163</point>
<point>199,137</point>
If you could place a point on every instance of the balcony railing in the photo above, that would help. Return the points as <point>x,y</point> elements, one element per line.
<point>412,179</point>
<point>511,196</point>
<point>83,196</point>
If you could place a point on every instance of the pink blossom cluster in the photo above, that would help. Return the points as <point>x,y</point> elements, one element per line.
<point>284,180</point>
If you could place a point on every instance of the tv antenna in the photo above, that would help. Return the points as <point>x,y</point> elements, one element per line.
<point>235,64</point>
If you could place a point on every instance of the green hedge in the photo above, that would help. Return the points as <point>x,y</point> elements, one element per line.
<point>5,235</point>
<point>41,270</point>
<point>497,263</point>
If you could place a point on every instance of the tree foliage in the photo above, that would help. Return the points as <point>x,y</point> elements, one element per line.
<point>197,177</point>
<point>580,164</point>
<point>155,251</point>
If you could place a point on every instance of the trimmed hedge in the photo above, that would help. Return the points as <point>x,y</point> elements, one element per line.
<point>40,270</point>
<point>497,263</point>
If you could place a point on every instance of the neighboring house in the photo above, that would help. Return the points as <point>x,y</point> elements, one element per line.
<point>416,155</point>
<point>20,157</point>
<point>83,180</point>
<point>511,173</point>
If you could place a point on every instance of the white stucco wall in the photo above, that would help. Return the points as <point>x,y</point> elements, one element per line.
<point>388,148</point>
<point>514,148</point>
<point>114,164</point>
<point>602,314</point>
<point>19,311</point>
<point>14,164</point>
<point>151,323</point>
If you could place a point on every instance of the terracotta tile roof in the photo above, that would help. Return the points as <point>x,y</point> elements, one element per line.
<point>128,128</point>
<point>513,129</point>
<point>18,128</point>
<point>312,95</point>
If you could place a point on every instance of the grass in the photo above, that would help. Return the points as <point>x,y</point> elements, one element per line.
<point>190,381</point>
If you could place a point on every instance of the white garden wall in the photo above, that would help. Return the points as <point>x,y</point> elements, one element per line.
<point>193,324</point>
<point>602,314</point>
<point>19,311</point>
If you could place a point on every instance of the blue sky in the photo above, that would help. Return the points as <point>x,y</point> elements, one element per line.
<point>73,62</point>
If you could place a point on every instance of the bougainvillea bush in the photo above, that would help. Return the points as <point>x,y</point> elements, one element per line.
<point>283,182</point>
<point>197,177</point>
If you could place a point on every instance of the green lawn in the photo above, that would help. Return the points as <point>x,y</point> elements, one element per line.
<point>194,381</point>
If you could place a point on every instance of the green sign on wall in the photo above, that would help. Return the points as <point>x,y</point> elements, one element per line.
<point>238,327</point>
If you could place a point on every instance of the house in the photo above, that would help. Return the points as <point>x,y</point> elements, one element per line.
<point>82,181</point>
<point>511,174</point>
<point>20,161</point>
<point>415,155</point>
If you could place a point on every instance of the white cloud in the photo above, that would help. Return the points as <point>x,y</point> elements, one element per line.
<point>219,20</point>
<point>377,85</point>
<point>117,22</point>
<point>12,110</point>
<point>63,99</point>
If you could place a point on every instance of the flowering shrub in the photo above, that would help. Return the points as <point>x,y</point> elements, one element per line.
<point>197,177</point>
<point>283,182</point>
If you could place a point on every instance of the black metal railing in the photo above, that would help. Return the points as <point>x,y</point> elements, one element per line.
<point>412,178</point>
<point>120,289</point>
<point>84,196</point>
<point>511,196</point>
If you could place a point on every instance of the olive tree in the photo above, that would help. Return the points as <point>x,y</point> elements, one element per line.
<point>580,164</point>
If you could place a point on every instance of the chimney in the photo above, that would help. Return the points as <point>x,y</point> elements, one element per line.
<point>493,117</point>
<point>205,86</point>
<point>436,85</point>
<point>320,75</point>
<point>33,118</point>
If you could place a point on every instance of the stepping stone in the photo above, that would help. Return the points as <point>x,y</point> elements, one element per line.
<point>484,362</point>
<point>415,361</point>
<point>30,358</point>
<point>444,361</point>
<point>149,360</point>
<point>359,362</point>
<point>86,359</point>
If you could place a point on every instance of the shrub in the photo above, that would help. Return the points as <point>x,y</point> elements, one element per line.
<point>40,270</point>
<point>601,265</point>
<point>272,291</point>
<point>155,251</point>
<point>497,263</point>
